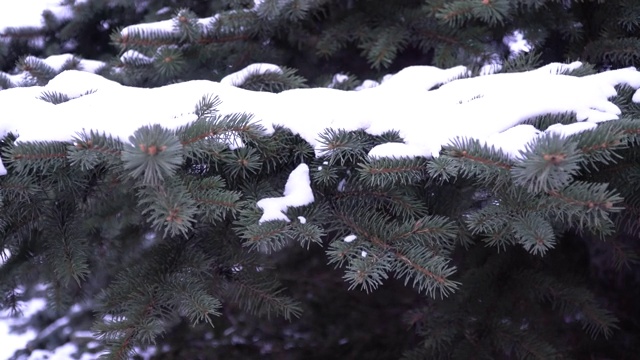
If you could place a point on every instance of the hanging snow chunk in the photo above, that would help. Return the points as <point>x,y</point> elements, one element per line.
<point>297,192</point>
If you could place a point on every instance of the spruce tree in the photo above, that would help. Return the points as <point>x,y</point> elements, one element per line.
<point>159,241</point>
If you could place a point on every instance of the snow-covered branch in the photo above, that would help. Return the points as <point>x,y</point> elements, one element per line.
<point>482,107</point>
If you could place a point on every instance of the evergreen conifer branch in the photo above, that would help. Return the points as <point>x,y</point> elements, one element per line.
<point>367,270</point>
<point>613,51</point>
<point>389,172</point>
<point>408,216</point>
<point>170,207</point>
<point>41,157</point>
<point>543,122</point>
<point>534,233</point>
<point>139,40</point>
<point>69,254</point>
<point>207,106</point>
<point>469,159</point>
<point>173,281</point>
<point>216,204</point>
<point>242,162</point>
<point>268,237</point>
<point>261,295</point>
<point>342,147</point>
<point>522,62</point>
<point>548,164</point>
<point>455,13</point>
<point>37,69</point>
<point>431,232</point>
<point>398,203</point>
<point>429,272</point>
<point>383,44</point>
<point>54,97</point>
<point>574,301</point>
<point>623,256</point>
<point>185,22</point>
<point>18,189</point>
<point>274,82</point>
<point>168,63</point>
<point>189,295</point>
<point>522,345</point>
<point>586,206</point>
<point>492,12</point>
<point>154,153</point>
<point>90,150</point>
<point>228,130</point>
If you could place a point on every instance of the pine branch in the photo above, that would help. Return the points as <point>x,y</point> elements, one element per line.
<point>534,233</point>
<point>261,296</point>
<point>429,272</point>
<point>154,154</point>
<point>274,82</point>
<point>469,159</point>
<point>92,149</point>
<point>399,203</point>
<point>170,207</point>
<point>585,206</point>
<point>390,172</point>
<point>40,157</point>
<point>549,163</point>
<point>573,301</point>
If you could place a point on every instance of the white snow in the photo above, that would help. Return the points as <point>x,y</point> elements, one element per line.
<point>4,254</point>
<point>10,342</point>
<point>488,108</point>
<point>164,26</point>
<point>337,79</point>
<point>568,130</point>
<point>238,78</point>
<point>367,84</point>
<point>395,151</point>
<point>350,238</point>
<point>164,10</point>
<point>28,13</point>
<point>517,43</point>
<point>56,62</point>
<point>297,192</point>
<point>132,56</point>
<point>302,219</point>
<point>480,107</point>
<point>171,26</point>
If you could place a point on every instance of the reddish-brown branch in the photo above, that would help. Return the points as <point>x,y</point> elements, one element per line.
<point>465,154</point>
<point>590,204</point>
<point>269,234</point>
<point>396,169</point>
<point>39,156</point>
<point>215,133</point>
<point>380,243</point>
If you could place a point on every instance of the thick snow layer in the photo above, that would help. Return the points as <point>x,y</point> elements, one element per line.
<point>164,26</point>
<point>28,13</point>
<point>480,107</point>
<point>57,61</point>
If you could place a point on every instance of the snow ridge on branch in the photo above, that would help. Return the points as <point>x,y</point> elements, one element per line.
<point>489,108</point>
